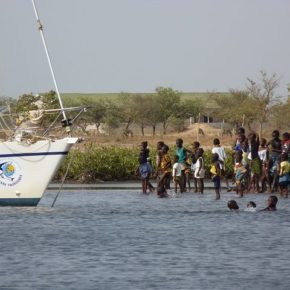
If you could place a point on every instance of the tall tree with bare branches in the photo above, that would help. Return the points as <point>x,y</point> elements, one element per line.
<point>263,95</point>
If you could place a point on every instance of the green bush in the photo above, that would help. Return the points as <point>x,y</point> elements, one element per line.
<point>113,163</point>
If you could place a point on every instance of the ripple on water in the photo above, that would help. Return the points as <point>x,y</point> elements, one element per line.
<point>124,240</point>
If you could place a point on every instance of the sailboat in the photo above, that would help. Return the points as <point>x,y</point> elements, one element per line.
<point>29,161</point>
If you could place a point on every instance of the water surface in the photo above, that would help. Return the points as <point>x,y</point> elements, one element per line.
<point>125,240</point>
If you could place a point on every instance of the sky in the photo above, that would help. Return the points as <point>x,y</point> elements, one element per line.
<point>116,46</point>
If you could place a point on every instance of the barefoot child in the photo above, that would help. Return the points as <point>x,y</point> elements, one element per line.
<point>181,152</point>
<point>217,148</point>
<point>159,146</point>
<point>255,163</point>
<point>240,175</point>
<point>144,168</point>
<point>215,171</point>
<point>264,157</point>
<point>165,167</point>
<point>286,144</point>
<point>275,146</point>
<point>177,175</point>
<point>193,155</point>
<point>145,171</point>
<point>284,175</point>
<point>199,170</point>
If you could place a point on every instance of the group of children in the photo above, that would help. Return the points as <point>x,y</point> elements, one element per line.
<point>258,166</point>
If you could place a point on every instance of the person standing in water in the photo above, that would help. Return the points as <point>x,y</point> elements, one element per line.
<point>144,168</point>
<point>195,147</point>
<point>264,157</point>
<point>284,175</point>
<point>286,145</point>
<point>215,171</point>
<point>159,146</point>
<point>275,150</point>
<point>165,167</point>
<point>240,175</point>
<point>199,170</point>
<point>255,162</point>
<point>176,174</point>
<point>218,149</point>
<point>181,152</point>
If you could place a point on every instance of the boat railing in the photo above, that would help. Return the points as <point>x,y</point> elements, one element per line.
<point>30,130</point>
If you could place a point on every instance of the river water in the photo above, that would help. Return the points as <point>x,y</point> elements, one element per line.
<point>125,240</point>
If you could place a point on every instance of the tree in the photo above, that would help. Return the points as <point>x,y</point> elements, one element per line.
<point>236,109</point>
<point>142,106</point>
<point>127,109</point>
<point>106,111</point>
<point>168,101</point>
<point>189,108</point>
<point>154,116</point>
<point>263,95</point>
<point>280,115</point>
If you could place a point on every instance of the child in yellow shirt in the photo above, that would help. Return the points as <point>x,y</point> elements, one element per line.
<point>284,175</point>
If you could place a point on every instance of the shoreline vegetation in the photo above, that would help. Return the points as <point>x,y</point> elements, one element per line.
<point>91,163</point>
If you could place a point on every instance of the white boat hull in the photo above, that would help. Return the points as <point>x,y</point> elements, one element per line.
<point>27,169</point>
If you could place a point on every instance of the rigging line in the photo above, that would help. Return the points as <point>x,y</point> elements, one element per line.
<point>40,28</point>
<point>63,180</point>
<point>51,125</point>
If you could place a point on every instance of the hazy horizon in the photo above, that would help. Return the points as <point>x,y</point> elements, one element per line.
<point>135,46</point>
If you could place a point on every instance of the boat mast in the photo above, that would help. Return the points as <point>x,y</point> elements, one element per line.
<point>65,121</point>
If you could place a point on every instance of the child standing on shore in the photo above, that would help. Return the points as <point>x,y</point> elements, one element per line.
<point>199,170</point>
<point>177,174</point>
<point>215,171</point>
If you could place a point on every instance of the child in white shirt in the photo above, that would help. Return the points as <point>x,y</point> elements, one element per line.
<point>177,174</point>
<point>222,158</point>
